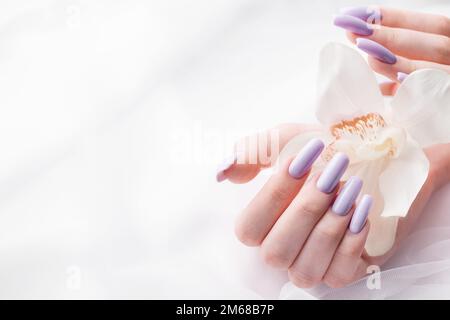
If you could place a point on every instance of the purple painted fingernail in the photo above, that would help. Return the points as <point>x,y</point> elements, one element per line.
<point>369,14</point>
<point>401,76</point>
<point>224,166</point>
<point>360,215</point>
<point>376,50</point>
<point>353,24</point>
<point>347,196</point>
<point>305,158</point>
<point>332,173</point>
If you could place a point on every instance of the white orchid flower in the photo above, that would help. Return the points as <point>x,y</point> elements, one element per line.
<point>383,138</point>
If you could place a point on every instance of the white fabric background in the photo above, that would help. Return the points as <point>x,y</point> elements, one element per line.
<point>113,116</point>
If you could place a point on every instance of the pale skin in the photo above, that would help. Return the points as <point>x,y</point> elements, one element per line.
<point>419,40</point>
<point>291,220</point>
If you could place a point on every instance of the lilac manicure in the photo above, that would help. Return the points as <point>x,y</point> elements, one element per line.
<point>332,173</point>
<point>369,14</point>
<point>347,196</point>
<point>401,76</point>
<point>376,50</point>
<point>224,166</point>
<point>305,158</point>
<point>360,215</point>
<point>353,24</point>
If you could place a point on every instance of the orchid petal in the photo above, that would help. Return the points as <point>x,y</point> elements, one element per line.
<point>402,179</point>
<point>347,87</point>
<point>382,233</point>
<point>422,106</point>
<point>382,230</point>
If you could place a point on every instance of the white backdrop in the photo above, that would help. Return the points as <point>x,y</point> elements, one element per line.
<point>113,117</point>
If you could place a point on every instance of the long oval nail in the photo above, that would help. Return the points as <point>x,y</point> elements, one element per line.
<point>360,215</point>
<point>224,166</point>
<point>366,13</point>
<point>376,50</point>
<point>347,196</point>
<point>401,76</point>
<point>305,158</point>
<point>353,24</point>
<point>332,173</point>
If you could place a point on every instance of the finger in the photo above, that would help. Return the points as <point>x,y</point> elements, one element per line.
<point>315,257</point>
<point>402,65</point>
<point>411,44</point>
<point>263,211</point>
<point>345,266</point>
<point>385,62</point>
<point>287,236</point>
<point>419,21</point>
<point>396,18</point>
<point>259,151</point>
<point>347,258</point>
<point>388,88</point>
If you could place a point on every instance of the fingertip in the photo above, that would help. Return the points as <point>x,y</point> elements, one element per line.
<point>401,76</point>
<point>387,70</point>
<point>352,37</point>
<point>224,167</point>
<point>388,88</point>
<point>242,173</point>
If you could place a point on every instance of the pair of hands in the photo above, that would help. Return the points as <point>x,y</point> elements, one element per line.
<point>291,218</point>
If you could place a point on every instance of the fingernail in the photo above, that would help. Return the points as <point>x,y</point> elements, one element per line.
<point>347,196</point>
<point>224,166</point>
<point>332,173</point>
<point>369,14</point>
<point>360,215</point>
<point>305,158</point>
<point>353,24</point>
<point>376,50</point>
<point>401,76</point>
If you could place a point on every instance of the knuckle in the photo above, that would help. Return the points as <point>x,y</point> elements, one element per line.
<point>334,281</point>
<point>246,234</point>
<point>275,256</point>
<point>310,208</point>
<point>443,50</point>
<point>391,37</point>
<point>348,251</point>
<point>328,233</point>
<point>279,195</point>
<point>444,25</point>
<point>302,279</point>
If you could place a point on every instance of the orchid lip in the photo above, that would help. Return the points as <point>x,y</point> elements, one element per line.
<point>364,138</point>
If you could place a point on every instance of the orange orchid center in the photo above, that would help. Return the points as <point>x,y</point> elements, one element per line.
<point>366,137</point>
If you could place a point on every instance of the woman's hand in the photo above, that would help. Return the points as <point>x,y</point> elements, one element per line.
<point>398,41</point>
<point>312,228</point>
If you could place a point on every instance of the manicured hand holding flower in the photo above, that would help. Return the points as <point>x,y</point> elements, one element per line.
<point>312,234</point>
<point>305,220</point>
<point>398,42</point>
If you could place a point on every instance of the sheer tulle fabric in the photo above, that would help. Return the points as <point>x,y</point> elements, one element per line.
<point>421,271</point>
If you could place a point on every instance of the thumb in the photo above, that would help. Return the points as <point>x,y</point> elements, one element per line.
<point>258,151</point>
